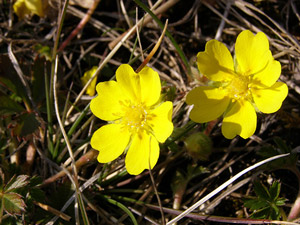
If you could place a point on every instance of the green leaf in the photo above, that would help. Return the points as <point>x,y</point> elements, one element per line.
<point>261,191</point>
<point>16,182</point>
<point>8,84</point>
<point>269,151</point>
<point>261,214</point>
<point>28,124</point>
<point>8,106</point>
<point>10,78</point>
<point>255,204</point>
<point>13,203</point>
<point>280,201</point>
<point>275,190</point>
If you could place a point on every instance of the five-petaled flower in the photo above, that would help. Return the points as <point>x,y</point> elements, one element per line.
<point>138,120</point>
<point>239,87</point>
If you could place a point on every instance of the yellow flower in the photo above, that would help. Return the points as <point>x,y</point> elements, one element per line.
<point>239,87</point>
<point>87,75</point>
<point>28,7</point>
<point>138,121</point>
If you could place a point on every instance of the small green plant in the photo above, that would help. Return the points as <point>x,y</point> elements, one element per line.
<point>12,203</point>
<point>267,203</point>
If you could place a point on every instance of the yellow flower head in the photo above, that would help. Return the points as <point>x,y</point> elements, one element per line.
<point>138,121</point>
<point>28,7</point>
<point>87,75</point>
<point>240,86</point>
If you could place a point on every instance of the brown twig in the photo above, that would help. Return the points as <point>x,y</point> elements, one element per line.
<point>80,26</point>
<point>89,156</point>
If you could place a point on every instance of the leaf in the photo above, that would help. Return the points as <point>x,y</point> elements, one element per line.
<point>44,51</point>
<point>13,203</point>
<point>8,84</point>
<point>266,204</point>
<point>9,77</point>
<point>275,190</point>
<point>8,106</point>
<point>27,125</point>
<point>261,191</point>
<point>255,204</point>
<point>281,148</point>
<point>280,201</point>
<point>16,182</point>
<point>261,214</point>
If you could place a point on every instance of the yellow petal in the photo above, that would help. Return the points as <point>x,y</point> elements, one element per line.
<point>150,86</point>
<point>20,9</point>
<point>142,147</point>
<point>268,76</point>
<point>252,52</point>
<point>36,7</point>
<point>107,105</point>
<point>209,103</point>
<point>129,82</point>
<point>104,140</point>
<point>239,120</point>
<point>216,61</point>
<point>161,121</point>
<point>92,86</point>
<point>269,100</point>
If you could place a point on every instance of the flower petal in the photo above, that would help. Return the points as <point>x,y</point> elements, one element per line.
<point>129,82</point>
<point>104,140</point>
<point>216,61</point>
<point>252,52</point>
<point>107,105</point>
<point>20,9</point>
<point>161,121</point>
<point>239,120</point>
<point>92,86</point>
<point>36,7</point>
<point>137,159</point>
<point>150,86</point>
<point>268,76</point>
<point>269,100</point>
<point>209,103</point>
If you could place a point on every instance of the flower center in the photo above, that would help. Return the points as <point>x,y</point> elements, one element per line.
<point>135,117</point>
<point>239,88</point>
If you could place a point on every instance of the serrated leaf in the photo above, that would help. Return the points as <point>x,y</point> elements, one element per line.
<point>255,204</point>
<point>13,203</point>
<point>280,201</point>
<point>16,182</point>
<point>275,213</point>
<point>8,106</point>
<point>274,190</point>
<point>261,191</point>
